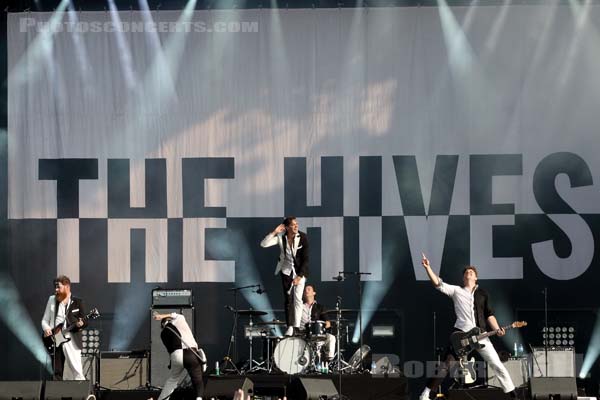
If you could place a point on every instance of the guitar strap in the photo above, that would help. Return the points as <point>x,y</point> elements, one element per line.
<point>195,352</point>
<point>56,308</point>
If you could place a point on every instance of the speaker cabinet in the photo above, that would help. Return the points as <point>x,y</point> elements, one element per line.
<point>123,369</point>
<point>25,390</point>
<point>518,369</point>
<point>312,388</point>
<point>551,388</point>
<point>224,388</point>
<point>159,357</point>
<point>561,362</point>
<point>73,390</point>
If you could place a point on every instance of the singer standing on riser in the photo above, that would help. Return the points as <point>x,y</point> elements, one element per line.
<point>292,267</point>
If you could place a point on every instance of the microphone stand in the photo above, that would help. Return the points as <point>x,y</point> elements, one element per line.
<point>233,338</point>
<point>546,326</point>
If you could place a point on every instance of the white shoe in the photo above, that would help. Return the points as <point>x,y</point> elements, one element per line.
<point>424,396</point>
<point>290,331</point>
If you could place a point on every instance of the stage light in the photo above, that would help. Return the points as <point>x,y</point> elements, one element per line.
<point>91,341</point>
<point>560,335</point>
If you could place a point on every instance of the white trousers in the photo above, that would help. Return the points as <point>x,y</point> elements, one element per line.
<point>297,293</point>
<point>489,354</point>
<point>177,375</point>
<point>73,370</point>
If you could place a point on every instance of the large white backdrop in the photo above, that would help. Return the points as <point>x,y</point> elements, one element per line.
<point>507,87</point>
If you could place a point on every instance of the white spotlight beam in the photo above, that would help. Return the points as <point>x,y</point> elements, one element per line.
<point>82,58</point>
<point>593,351</point>
<point>460,53</point>
<point>124,51</point>
<point>31,64</point>
<point>581,14</point>
<point>135,299</point>
<point>248,275</point>
<point>16,318</point>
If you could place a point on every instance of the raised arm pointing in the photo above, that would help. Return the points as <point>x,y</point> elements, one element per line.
<point>432,276</point>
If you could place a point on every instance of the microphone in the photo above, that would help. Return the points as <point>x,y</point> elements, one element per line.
<point>339,278</point>
<point>260,290</point>
<point>229,308</point>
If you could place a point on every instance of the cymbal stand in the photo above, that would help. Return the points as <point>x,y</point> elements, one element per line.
<point>338,317</point>
<point>339,364</point>
<point>229,361</point>
<point>251,361</point>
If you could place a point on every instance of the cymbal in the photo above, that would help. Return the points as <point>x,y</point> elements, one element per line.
<point>343,310</point>
<point>273,322</point>
<point>253,313</point>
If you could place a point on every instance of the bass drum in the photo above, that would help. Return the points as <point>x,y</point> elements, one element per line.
<point>292,355</point>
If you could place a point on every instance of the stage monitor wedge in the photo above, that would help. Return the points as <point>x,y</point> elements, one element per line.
<point>551,388</point>
<point>25,390</point>
<point>225,387</point>
<point>312,389</point>
<point>72,390</point>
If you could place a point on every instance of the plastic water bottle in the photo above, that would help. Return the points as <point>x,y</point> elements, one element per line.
<point>373,367</point>
<point>217,370</point>
<point>516,349</point>
<point>521,350</point>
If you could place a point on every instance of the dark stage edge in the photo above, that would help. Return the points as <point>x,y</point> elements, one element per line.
<point>354,387</point>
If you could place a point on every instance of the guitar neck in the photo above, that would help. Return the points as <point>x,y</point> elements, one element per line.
<point>73,326</point>
<point>492,333</point>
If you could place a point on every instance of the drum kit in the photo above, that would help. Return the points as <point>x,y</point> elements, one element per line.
<point>303,353</point>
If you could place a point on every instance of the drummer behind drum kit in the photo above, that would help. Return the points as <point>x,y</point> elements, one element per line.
<point>303,352</point>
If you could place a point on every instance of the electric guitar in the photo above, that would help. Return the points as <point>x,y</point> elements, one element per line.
<point>467,370</point>
<point>58,337</point>
<point>465,342</point>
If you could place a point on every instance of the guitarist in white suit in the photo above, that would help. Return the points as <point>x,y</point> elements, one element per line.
<point>65,310</point>
<point>292,266</point>
<point>472,309</point>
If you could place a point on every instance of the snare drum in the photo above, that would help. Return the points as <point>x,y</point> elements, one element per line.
<point>292,355</point>
<point>315,330</point>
